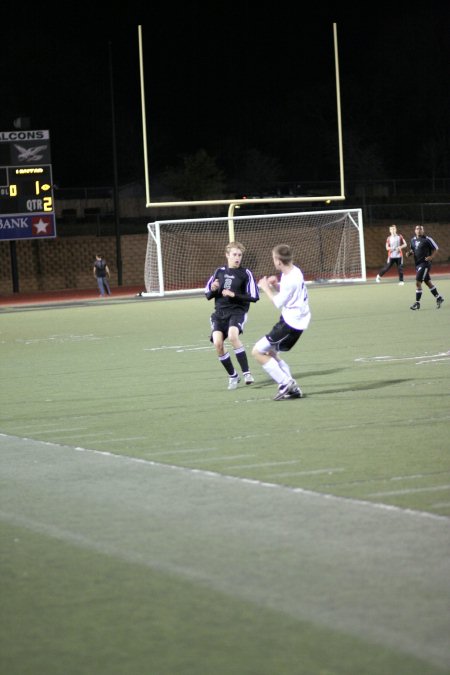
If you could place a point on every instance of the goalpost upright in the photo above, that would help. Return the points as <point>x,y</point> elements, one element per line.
<point>231,203</point>
<point>331,242</point>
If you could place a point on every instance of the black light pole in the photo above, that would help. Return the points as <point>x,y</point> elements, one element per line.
<point>116,181</point>
<point>14,266</point>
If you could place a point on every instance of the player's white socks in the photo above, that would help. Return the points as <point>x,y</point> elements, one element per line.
<point>273,369</point>
<point>285,368</point>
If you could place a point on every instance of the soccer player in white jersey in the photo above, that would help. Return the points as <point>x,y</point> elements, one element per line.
<point>395,244</point>
<point>291,297</point>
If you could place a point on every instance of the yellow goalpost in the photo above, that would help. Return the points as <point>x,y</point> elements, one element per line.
<point>233,203</point>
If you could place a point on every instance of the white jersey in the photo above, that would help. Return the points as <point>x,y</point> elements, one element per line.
<point>393,242</point>
<point>293,299</point>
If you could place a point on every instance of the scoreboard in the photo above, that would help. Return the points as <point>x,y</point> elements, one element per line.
<point>27,207</point>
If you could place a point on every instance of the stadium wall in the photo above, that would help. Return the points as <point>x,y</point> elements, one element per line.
<point>66,262</point>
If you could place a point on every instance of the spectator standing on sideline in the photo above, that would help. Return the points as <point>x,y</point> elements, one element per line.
<point>423,248</point>
<point>101,273</point>
<point>292,300</point>
<point>394,245</point>
<point>233,288</point>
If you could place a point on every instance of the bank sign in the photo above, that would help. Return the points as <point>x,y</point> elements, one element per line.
<point>38,226</point>
<point>27,207</point>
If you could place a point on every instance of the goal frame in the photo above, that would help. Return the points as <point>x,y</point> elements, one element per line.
<point>238,202</point>
<point>155,258</point>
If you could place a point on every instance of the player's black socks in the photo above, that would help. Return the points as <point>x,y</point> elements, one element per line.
<point>228,364</point>
<point>241,356</point>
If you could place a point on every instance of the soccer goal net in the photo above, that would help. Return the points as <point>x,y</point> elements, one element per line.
<point>182,254</point>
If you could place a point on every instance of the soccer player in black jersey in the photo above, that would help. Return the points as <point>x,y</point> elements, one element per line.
<point>423,248</point>
<point>233,288</point>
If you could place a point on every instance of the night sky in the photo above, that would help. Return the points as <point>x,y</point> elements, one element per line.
<point>231,78</point>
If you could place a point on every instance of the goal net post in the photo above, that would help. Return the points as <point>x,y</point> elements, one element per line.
<point>182,254</point>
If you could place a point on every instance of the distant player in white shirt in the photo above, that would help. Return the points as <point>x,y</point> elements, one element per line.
<point>289,295</point>
<point>395,244</point>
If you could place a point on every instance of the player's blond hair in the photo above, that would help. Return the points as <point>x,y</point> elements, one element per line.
<point>235,244</point>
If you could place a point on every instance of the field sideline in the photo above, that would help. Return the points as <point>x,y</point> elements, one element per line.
<point>154,522</point>
<point>440,270</point>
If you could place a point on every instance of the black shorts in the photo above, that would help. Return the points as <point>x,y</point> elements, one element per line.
<point>423,272</point>
<point>222,323</point>
<point>283,337</point>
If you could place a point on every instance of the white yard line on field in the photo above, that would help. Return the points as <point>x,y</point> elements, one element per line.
<point>314,557</point>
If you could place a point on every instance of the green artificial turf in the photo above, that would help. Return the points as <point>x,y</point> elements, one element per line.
<point>154,522</point>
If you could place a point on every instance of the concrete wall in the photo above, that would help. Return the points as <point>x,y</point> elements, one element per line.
<point>67,262</point>
<point>375,239</point>
<point>63,263</point>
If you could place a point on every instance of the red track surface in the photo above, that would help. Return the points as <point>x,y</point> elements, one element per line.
<point>76,294</point>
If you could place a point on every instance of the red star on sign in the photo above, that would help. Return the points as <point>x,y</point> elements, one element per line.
<point>41,226</point>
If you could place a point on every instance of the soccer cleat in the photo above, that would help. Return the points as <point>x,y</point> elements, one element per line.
<point>416,305</point>
<point>439,302</point>
<point>401,283</point>
<point>295,393</point>
<point>284,389</point>
<point>378,279</point>
<point>233,382</point>
<point>249,379</point>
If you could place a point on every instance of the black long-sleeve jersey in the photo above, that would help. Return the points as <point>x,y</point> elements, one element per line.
<point>422,247</point>
<point>241,281</point>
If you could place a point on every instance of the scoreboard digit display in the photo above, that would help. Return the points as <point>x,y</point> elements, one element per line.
<point>27,207</point>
